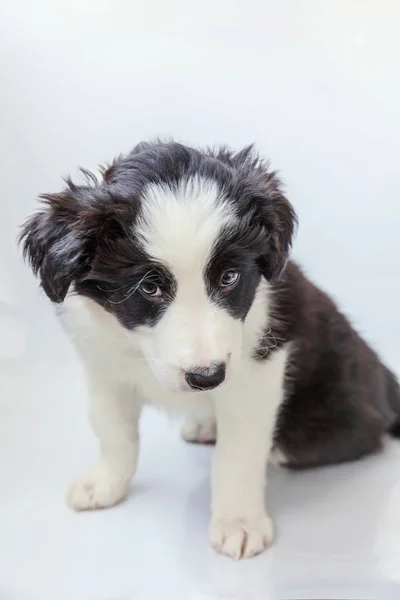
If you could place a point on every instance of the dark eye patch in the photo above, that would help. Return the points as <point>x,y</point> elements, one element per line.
<point>121,297</point>
<point>237,299</point>
<point>117,294</point>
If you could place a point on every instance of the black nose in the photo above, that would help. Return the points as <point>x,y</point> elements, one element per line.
<point>206,378</point>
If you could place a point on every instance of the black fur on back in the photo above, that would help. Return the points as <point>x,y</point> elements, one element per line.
<point>341,399</point>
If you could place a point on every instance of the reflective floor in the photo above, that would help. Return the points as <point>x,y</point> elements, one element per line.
<point>338,529</point>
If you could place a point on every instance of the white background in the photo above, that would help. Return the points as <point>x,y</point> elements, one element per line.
<point>314,84</point>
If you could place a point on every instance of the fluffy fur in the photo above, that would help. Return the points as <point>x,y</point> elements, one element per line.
<point>172,278</point>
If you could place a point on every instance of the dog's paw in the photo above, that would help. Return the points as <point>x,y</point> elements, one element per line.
<point>97,490</point>
<point>241,538</point>
<point>199,431</point>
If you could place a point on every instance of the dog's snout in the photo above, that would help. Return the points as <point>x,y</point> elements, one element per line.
<point>206,378</point>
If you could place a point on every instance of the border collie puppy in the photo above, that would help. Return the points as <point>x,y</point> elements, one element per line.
<point>175,288</point>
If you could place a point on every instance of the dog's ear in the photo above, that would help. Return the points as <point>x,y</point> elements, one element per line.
<point>269,214</point>
<point>279,222</point>
<point>60,241</point>
<point>55,246</point>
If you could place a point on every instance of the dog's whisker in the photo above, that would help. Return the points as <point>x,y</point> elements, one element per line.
<point>261,342</point>
<point>131,290</point>
<point>113,290</point>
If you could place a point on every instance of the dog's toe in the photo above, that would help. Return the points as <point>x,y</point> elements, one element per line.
<point>241,538</point>
<point>94,492</point>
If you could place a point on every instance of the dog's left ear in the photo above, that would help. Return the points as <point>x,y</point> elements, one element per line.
<point>270,215</point>
<point>264,211</point>
<point>279,222</point>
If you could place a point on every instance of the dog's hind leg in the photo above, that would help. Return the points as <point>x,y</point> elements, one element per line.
<point>200,425</point>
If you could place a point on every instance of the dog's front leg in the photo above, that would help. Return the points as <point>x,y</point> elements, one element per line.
<point>246,418</point>
<point>114,414</point>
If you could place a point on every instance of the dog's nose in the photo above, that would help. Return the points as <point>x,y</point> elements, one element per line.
<point>206,378</point>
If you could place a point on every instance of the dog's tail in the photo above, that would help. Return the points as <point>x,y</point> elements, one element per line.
<point>393,396</point>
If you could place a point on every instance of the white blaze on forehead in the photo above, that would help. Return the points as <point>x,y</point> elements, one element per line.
<point>180,226</point>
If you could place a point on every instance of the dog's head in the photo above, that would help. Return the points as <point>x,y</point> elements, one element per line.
<point>173,242</point>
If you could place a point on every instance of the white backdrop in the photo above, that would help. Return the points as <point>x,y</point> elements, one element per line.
<point>315,84</point>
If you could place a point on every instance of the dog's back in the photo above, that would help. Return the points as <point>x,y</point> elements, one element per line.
<point>341,399</point>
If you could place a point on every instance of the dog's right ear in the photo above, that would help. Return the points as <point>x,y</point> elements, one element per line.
<point>55,243</point>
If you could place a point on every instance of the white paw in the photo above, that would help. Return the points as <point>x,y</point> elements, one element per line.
<point>241,538</point>
<point>95,490</point>
<point>199,431</point>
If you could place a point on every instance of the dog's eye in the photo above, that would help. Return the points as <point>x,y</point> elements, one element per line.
<point>229,278</point>
<point>151,289</point>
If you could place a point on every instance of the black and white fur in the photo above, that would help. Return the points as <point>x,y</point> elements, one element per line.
<point>173,277</point>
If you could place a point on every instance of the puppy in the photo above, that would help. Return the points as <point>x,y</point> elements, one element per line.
<point>173,277</point>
